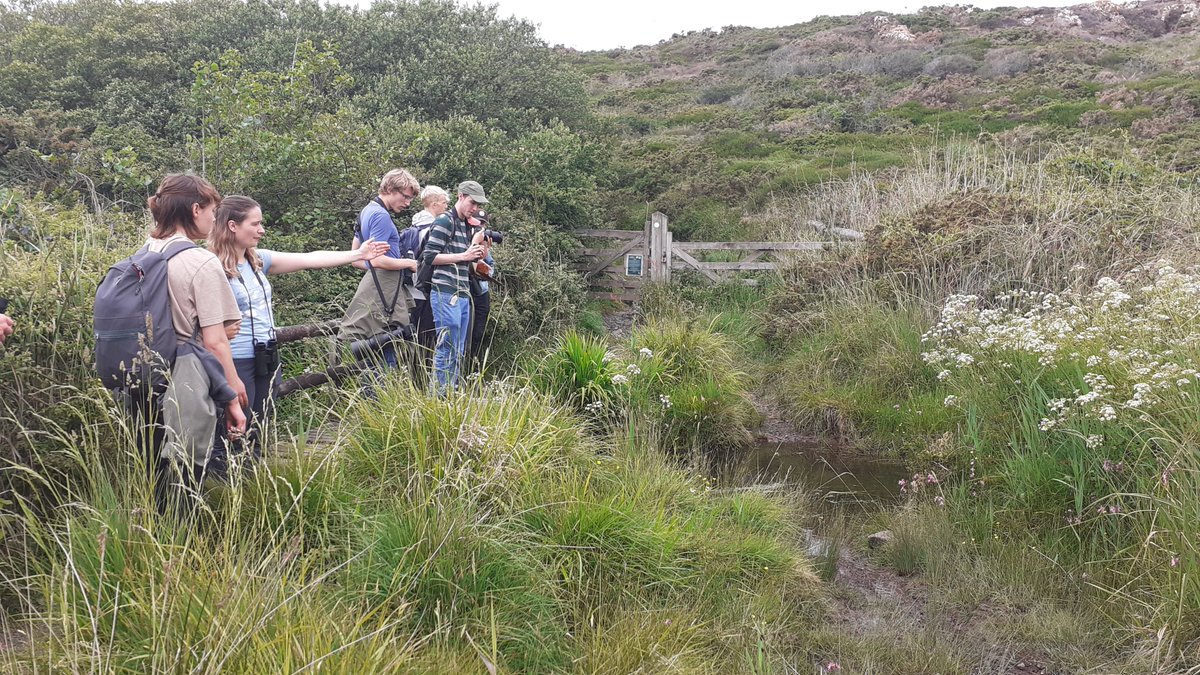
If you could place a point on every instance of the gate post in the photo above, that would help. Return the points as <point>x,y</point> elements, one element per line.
<point>658,247</point>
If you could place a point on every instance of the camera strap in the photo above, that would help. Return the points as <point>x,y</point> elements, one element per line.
<point>250,301</point>
<point>267,299</point>
<point>388,309</point>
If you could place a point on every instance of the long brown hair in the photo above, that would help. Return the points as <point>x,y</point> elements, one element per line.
<point>236,208</point>
<point>171,204</point>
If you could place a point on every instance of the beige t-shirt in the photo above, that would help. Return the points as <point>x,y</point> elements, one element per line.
<point>200,293</point>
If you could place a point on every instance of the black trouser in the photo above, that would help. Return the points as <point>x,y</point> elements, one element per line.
<point>171,481</point>
<point>481,306</point>
<point>260,391</point>
<point>424,335</point>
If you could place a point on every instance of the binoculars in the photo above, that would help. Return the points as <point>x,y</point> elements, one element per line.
<point>266,358</point>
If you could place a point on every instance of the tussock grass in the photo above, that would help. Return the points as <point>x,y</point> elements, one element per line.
<point>675,373</point>
<point>445,534</point>
<point>851,368</point>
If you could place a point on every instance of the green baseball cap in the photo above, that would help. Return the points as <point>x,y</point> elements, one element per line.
<point>473,190</point>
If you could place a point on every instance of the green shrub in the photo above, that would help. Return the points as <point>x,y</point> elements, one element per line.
<point>719,93</point>
<point>51,264</point>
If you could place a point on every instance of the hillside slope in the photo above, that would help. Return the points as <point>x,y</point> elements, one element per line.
<point>715,123</point>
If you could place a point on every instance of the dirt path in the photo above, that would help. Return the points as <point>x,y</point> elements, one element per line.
<point>774,428</point>
<point>619,324</point>
<point>873,604</point>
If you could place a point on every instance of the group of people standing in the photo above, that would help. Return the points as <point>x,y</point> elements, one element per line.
<point>221,300</point>
<point>429,281</point>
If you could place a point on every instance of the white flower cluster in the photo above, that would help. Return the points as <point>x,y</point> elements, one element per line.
<point>1130,336</point>
<point>472,436</point>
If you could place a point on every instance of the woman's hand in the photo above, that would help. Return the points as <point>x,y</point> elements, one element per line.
<point>372,249</point>
<point>6,327</point>
<point>235,419</point>
<point>239,388</point>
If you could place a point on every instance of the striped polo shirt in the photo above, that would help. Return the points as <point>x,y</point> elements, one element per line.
<point>448,234</point>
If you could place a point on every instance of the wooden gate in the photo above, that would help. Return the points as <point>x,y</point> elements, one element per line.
<point>617,271</point>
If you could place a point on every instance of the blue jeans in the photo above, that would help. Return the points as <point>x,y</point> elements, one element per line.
<point>451,323</point>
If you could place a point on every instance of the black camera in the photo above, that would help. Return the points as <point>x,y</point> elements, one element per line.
<point>486,220</point>
<point>266,358</point>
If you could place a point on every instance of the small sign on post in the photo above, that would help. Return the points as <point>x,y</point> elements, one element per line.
<point>633,265</point>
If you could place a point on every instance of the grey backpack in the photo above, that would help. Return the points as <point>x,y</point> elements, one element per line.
<point>135,338</point>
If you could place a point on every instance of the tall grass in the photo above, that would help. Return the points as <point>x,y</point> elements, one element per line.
<point>978,218</point>
<point>487,528</point>
<point>678,375</point>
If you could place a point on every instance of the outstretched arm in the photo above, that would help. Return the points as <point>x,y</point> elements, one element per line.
<point>385,262</point>
<point>357,263</point>
<point>283,262</point>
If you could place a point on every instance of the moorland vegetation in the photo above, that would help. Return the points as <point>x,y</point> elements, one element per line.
<point>1019,324</point>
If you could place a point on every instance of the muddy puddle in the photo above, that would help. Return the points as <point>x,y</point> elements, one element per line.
<point>834,473</point>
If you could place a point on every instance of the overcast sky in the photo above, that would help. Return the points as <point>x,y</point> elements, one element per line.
<point>628,23</point>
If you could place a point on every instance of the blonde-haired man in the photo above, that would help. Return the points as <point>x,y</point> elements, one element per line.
<point>381,303</point>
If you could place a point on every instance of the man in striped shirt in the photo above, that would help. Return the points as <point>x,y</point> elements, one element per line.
<point>450,251</point>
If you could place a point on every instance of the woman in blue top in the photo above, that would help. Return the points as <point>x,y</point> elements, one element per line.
<point>234,240</point>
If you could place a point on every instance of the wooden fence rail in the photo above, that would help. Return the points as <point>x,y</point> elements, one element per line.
<point>286,334</point>
<point>617,272</point>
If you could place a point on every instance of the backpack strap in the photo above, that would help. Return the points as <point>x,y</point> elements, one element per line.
<point>176,247</point>
<point>387,308</point>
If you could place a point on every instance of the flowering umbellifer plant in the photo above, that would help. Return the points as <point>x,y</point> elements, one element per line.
<point>1083,408</point>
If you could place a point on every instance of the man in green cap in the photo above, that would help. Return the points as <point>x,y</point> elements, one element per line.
<point>449,253</point>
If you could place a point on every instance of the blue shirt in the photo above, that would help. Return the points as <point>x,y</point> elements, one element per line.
<point>253,300</point>
<point>377,224</point>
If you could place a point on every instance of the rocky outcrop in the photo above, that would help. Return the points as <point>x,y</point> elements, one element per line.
<point>887,28</point>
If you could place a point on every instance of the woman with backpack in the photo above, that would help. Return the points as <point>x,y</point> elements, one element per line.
<point>201,304</point>
<point>234,242</point>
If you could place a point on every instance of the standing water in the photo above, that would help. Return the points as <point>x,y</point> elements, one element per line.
<point>833,473</point>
